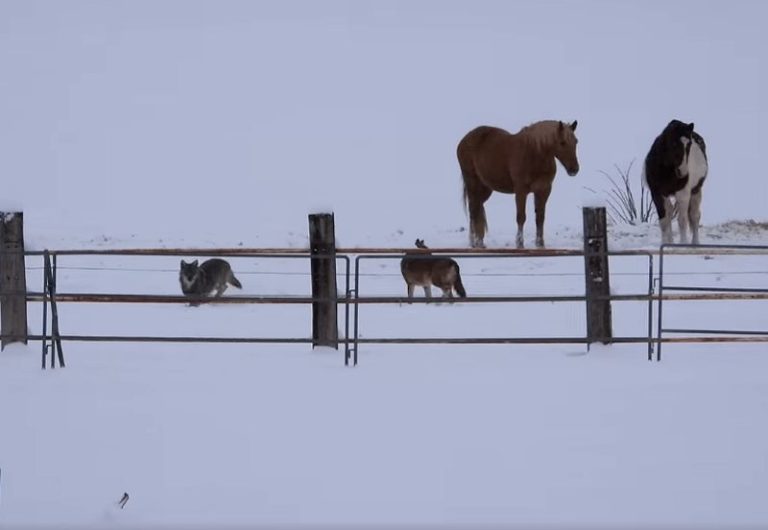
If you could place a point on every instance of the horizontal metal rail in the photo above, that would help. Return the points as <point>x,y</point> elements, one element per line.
<point>492,340</point>
<point>298,299</point>
<point>561,298</point>
<point>388,340</point>
<point>233,252</point>
<point>178,299</point>
<point>188,339</point>
<point>717,331</point>
<point>552,340</point>
<point>716,289</point>
<point>285,252</point>
<point>685,248</point>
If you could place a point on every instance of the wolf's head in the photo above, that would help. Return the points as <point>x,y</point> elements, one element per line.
<point>188,274</point>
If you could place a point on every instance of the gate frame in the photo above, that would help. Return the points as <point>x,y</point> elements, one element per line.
<point>736,293</point>
<point>50,296</point>
<point>499,253</point>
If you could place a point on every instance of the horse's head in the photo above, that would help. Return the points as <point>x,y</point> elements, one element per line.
<point>679,136</point>
<point>565,147</point>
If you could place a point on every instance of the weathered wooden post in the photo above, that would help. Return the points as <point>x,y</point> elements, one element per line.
<point>13,279</point>
<point>322,242</point>
<point>598,284</point>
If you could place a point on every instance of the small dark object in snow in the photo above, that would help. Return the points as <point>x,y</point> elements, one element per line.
<point>122,501</point>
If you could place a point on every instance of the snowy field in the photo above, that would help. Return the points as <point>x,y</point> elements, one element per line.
<point>202,125</point>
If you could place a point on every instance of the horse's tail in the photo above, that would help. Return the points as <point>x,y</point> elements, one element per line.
<point>479,221</point>
<point>482,222</point>
<point>458,285</point>
<point>460,154</point>
<point>464,197</point>
<point>478,225</point>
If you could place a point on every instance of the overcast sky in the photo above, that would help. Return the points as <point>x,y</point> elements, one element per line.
<point>258,112</point>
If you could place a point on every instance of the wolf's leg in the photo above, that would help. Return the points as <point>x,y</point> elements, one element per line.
<point>448,293</point>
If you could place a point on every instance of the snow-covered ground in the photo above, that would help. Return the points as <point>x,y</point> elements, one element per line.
<point>265,434</point>
<point>201,125</point>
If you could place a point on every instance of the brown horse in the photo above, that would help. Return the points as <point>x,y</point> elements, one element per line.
<point>493,159</point>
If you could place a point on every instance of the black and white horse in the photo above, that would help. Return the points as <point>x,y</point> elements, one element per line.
<point>676,167</point>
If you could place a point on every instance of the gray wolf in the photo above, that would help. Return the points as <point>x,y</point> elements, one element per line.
<point>211,278</point>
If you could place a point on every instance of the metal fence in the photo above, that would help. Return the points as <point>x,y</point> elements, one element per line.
<point>351,300</point>
<point>709,292</point>
<point>50,297</point>
<point>647,296</point>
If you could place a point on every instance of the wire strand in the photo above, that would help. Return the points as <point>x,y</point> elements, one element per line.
<point>394,274</point>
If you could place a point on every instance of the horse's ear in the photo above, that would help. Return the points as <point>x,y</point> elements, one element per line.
<point>560,127</point>
<point>690,126</point>
<point>574,124</point>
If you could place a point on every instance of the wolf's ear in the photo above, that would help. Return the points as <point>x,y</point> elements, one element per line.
<point>183,263</point>
<point>194,263</point>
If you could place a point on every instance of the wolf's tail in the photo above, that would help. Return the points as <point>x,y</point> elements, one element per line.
<point>234,281</point>
<point>458,285</point>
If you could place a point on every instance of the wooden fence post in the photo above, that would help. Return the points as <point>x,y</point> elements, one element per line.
<point>13,279</point>
<point>598,284</point>
<point>322,242</point>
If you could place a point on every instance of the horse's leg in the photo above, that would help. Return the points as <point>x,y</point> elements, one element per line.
<point>540,202</point>
<point>520,199</point>
<point>476,198</point>
<point>682,203</point>
<point>664,213</point>
<point>666,222</point>
<point>694,212</point>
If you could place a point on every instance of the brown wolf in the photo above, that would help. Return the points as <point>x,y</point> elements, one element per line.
<point>426,270</point>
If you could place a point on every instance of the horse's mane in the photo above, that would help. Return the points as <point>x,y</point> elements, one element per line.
<point>541,133</point>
